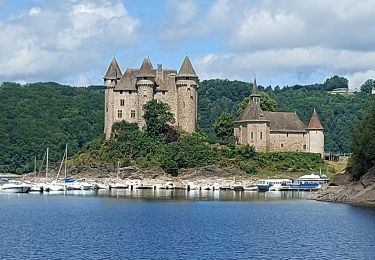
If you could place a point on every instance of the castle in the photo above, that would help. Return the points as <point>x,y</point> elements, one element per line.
<point>277,131</point>
<point>126,94</point>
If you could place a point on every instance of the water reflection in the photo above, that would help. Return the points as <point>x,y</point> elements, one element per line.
<point>202,195</point>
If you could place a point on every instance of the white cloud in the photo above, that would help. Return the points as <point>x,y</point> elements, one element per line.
<point>298,40</point>
<point>63,39</point>
<point>357,79</point>
<point>301,65</point>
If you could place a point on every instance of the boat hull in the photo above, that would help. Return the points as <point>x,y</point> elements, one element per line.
<point>20,189</point>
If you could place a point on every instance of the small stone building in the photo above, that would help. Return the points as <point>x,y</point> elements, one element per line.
<point>126,94</point>
<point>277,131</point>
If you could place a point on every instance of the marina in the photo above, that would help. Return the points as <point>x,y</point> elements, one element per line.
<point>304,183</point>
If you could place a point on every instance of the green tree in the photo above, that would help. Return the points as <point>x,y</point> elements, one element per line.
<point>363,143</point>
<point>368,86</point>
<point>335,82</point>
<point>223,126</point>
<point>157,116</point>
<point>267,103</point>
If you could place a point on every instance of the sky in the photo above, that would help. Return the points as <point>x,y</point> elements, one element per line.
<point>280,42</point>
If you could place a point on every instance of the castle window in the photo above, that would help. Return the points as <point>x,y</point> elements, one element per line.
<point>121,92</point>
<point>132,113</point>
<point>183,104</point>
<point>122,102</point>
<point>252,135</point>
<point>163,92</point>
<point>119,113</point>
<point>282,145</point>
<point>261,135</point>
<point>287,134</point>
<point>304,147</point>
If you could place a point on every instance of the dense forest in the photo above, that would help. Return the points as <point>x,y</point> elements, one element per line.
<point>36,116</point>
<point>40,115</point>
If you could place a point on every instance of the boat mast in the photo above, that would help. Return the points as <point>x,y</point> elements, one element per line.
<point>47,164</point>
<point>66,158</point>
<point>35,165</point>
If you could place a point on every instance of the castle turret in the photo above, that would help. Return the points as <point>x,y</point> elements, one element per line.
<point>111,78</point>
<point>187,101</point>
<point>145,86</point>
<point>315,135</point>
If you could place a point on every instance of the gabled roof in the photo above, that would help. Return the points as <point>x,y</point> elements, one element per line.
<point>146,69</point>
<point>285,122</point>
<point>187,69</point>
<point>113,71</point>
<point>252,112</point>
<point>314,123</point>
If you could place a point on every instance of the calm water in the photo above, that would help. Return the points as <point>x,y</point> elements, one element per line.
<point>181,225</point>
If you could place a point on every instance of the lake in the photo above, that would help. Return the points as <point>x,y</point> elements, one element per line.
<point>182,225</point>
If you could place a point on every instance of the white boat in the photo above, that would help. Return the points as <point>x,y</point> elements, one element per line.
<point>275,187</point>
<point>265,184</point>
<point>15,187</point>
<point>251,188</point>
<point>309,182</point>
<point>86,186</point>
<point>54,186</point>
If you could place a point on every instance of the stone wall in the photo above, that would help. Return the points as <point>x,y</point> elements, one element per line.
<point>170,98</point>
<point>288,142</point>
<point>187,105</point>
<point>108,107</point>
<point>127,103</point>
<point>258,136</point>
<point>315,141</point>
<point>145,94</point>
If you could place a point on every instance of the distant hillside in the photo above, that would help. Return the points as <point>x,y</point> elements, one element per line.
<point>36,116</point>
<point>337,113</point>
<point>41,115</point>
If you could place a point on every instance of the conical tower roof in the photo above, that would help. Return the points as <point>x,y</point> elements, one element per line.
<point>315,122</point>
<point>187,69</point>
<point>113,71</point>
<point>146,69</point>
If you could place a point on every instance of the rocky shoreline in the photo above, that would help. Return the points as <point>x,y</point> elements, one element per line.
<point>342,189</point>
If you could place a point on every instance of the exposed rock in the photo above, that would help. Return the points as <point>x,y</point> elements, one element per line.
<point>358,192</point>
<point>341,179</point>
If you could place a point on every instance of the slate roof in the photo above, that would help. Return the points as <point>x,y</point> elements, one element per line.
<point>285,122</point>
<point>113,71</point>
<point>146,69</point>
<point>187,69</point>
<point>314,123</point>
<point>252,112</point>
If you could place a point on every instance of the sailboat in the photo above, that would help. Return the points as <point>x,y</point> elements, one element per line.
<point>40,187</point>
<point>55,185</point>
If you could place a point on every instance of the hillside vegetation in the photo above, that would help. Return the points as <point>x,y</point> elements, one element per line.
<point>36,116</point>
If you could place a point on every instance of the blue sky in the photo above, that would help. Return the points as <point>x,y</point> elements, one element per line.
<point>281,42</point>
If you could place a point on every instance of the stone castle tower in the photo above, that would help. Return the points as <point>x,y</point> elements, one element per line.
<point>125,94</point>
<point>277,131</point>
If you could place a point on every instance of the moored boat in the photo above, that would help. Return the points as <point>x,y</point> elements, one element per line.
<point>308,182</point>
<point>15,187</point>
<point>265,184</point>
